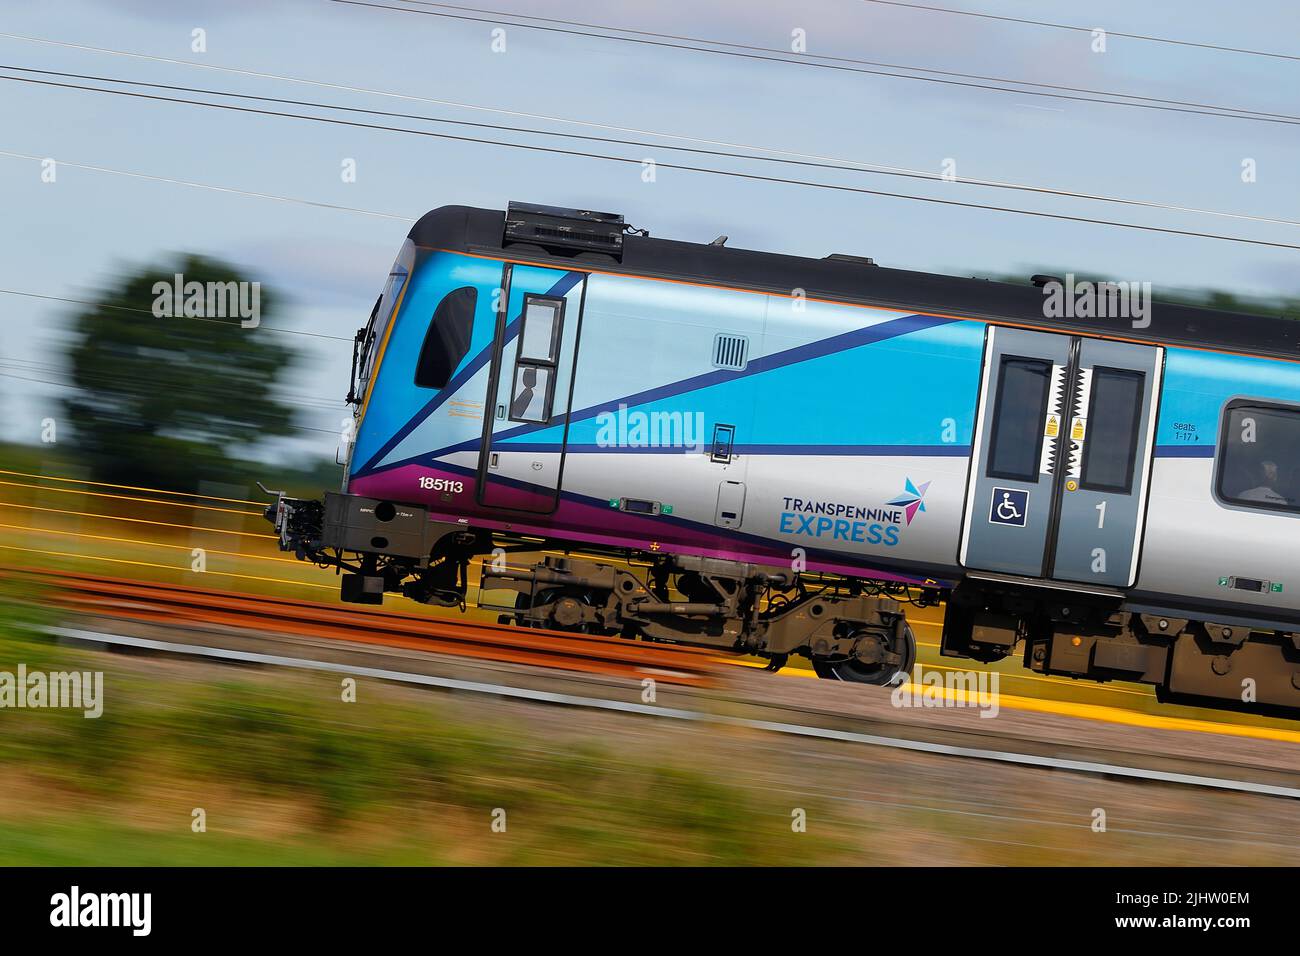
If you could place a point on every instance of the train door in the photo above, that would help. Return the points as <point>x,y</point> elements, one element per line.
<point>530,388</point>
<point>1062,457</point>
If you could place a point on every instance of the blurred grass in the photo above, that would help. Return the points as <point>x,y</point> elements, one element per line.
<point>288,773</point>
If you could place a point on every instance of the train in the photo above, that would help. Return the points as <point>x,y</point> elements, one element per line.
<point>778,455</point>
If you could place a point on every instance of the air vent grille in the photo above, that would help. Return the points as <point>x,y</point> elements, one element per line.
<point>547,232</point>
<point>730,351</point>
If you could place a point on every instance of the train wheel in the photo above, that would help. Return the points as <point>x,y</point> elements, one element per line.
<point>854,671</point>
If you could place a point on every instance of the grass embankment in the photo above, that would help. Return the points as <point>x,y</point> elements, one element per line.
<point>286,772</point>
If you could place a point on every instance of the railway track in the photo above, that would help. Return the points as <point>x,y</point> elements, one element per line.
<point>112,597</point>
<point>733,713</point>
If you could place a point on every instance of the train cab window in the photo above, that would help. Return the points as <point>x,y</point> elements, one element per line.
<point>380,316</point>
<point>1018,418</point>
<point>370,340</point>
<point>1114,419</point>
<point>447,340</point>
<point>535,359</point>
<point>1259,456</point>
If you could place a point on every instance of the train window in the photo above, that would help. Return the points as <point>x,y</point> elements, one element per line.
<point>539,335</point>
<point>531,399</point>
<point>1114,419</point>
<point>1018,418</point>
<point>380,316</point>
<point>447,340</point>
<point>535,359</point>
<point>1259,455</point>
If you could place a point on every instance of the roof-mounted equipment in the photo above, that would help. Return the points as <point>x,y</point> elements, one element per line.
<point>564,231</point>
<point>845,257</point>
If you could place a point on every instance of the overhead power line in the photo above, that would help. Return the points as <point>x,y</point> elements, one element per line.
<point>830,164</point>
<point>220,189</point>
<point>637,161</point>
<point>1082,29</point>
<point>844,64</point>
<point>215,189</point>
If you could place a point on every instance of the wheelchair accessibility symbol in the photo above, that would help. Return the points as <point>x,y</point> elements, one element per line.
<point>1009,506</point>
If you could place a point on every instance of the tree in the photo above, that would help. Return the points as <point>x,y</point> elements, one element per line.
<point>172,389</point>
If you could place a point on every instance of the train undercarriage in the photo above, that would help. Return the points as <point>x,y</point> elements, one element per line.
<point>1096,635</point>
<point>851,629</point>
<point>847,633</point>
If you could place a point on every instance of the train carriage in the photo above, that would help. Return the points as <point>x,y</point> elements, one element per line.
<point>791,452</point>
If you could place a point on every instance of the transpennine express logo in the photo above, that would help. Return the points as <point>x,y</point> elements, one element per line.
<point>911,500</point>
<point>836,521</point>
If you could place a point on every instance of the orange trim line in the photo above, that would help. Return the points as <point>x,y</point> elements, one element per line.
<point>861,305</point>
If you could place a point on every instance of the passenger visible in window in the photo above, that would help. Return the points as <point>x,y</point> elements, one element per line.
<point>524,396</point>
<point>532,396</point>
<point>1266,491</point>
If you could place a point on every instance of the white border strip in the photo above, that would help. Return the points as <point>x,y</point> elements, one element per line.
<point>570,700</point>
<point>1148,473</point>
<point>973,463</point>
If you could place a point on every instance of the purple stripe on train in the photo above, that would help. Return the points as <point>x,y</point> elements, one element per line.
<point>616,528</point>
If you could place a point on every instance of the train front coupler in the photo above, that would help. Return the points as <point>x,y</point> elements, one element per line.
<point>298,523</point>
<point>379,546</point>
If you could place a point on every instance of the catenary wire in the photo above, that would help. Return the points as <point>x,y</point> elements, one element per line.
<point>755,177</point>
<point>830,163</point>
<point>1081,29</point>
<point>594,125</point>
<point>774,55</point>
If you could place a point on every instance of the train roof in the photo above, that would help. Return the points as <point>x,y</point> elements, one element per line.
<point>837,278</point>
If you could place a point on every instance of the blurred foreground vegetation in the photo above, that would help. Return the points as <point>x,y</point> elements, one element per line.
<point>287,773</point>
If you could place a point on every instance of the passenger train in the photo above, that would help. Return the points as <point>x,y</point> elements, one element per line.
<point>780,455</point>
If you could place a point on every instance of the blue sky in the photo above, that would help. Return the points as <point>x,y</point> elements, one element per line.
<point>68,238</point>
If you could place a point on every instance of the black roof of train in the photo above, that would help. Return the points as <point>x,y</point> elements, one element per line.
<point>482,231</point>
